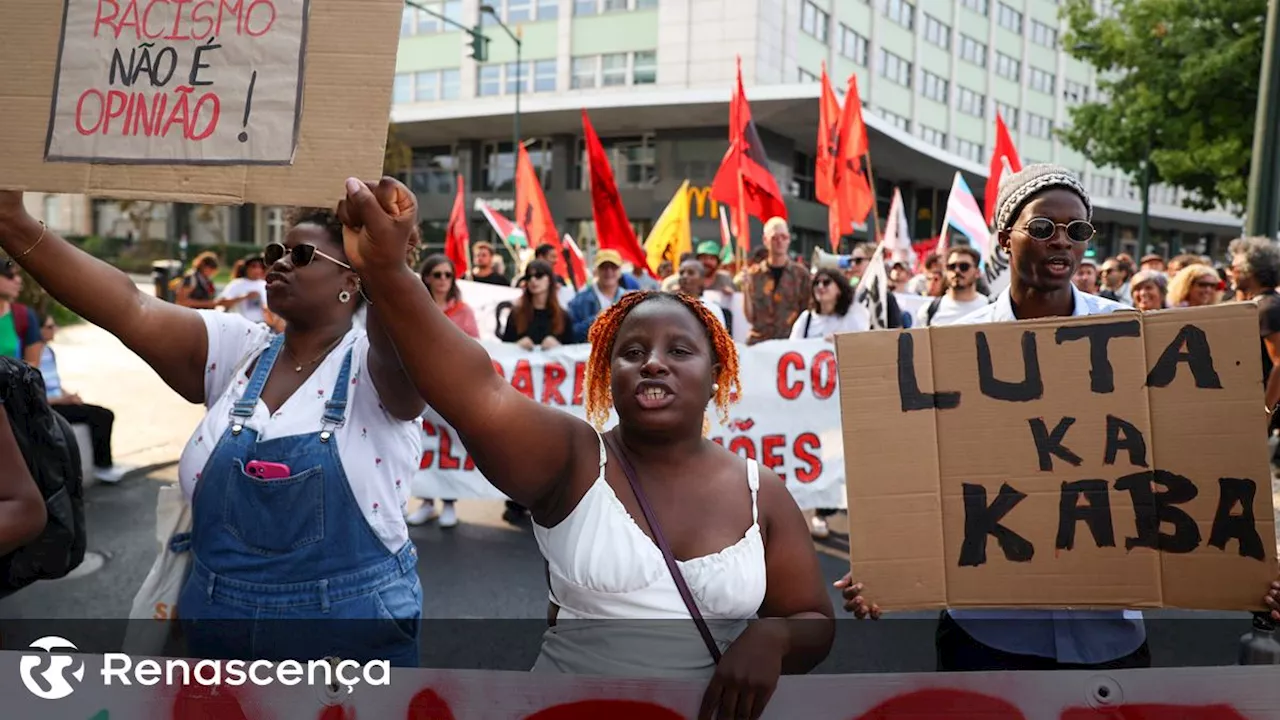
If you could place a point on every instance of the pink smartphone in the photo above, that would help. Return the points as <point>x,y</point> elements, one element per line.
<point>267,470</point>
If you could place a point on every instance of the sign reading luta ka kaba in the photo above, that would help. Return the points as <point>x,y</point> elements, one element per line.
<point>210,101</point>
<point>1103,461</point>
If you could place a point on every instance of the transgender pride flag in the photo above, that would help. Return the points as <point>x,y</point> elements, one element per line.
<point>964,215</point>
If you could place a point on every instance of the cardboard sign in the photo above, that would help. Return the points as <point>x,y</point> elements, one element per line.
<point>142,81</point>
<point>205,101</point>
<point>1101,461</point>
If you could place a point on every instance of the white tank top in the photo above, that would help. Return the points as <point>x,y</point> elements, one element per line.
<point>602,566</point>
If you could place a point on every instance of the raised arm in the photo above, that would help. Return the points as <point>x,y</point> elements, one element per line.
<point>524,448</point>
<point>171,339</point>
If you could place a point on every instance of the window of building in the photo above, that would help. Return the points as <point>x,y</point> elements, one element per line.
<point>585,7</point>
<point>853,45</point>
<point>1009,113</point>
<point>450,84</point>
<point>973,51</point>
<point>274,225</point>
<point>933,86</point>
<point>978,6</point>
<point>644,69</point>
<point>517,75</point>
<point>1039,126</point>
<point>802,185</point>
<point>971,151</point>
<point>426,86</point>
<point>614,5</point>
<point>937,32</point>
<point>1008,18</point>
<point>544,76</point>
<point>1040,80</point>
<point>933,137</point>
<point>1008,67</point>
<point>895,68</point>
<point>407,19</point>
<point>646,4</point>
<point>1074,93</point>
<point>613,69</point>
<point>548,9</point>
<point>1102,185</point>
<point>1042,34</point>
<point>970,102</point>
<point>489,80</point>
<point>805,76</point>
<point>403,89</point>
<point>633,159</point>
<point>814,20</point>
<point>901,12</point>
<point>895,119</point>
<point>519,11</point>
<point>582,74</point>
<point>433,170</point>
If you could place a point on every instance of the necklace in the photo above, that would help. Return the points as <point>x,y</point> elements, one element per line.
<point>324,352</point>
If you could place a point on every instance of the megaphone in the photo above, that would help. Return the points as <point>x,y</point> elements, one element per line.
<point>823,260</point>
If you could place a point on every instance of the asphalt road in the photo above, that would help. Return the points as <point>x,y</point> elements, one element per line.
<point>485,594</point>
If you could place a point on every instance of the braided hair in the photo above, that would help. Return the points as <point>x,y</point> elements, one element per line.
<point>1020,188</point>
<point>599,396</point>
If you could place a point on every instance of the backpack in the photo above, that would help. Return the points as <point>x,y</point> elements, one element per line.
<point>933,310</point>
<point>49,447</point>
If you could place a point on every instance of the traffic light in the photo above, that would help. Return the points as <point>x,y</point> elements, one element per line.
<point>479,45</point>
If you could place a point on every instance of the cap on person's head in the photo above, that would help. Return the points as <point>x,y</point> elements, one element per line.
<point>608,256</point>
<point>708,247</point>
<point>1151,257</point>
<point>1018,188</point>
<point>1087,260</point>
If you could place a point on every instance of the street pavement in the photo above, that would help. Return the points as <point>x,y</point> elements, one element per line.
<point>485,591</point>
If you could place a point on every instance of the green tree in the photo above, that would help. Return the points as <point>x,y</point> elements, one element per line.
<point>1177,79</point>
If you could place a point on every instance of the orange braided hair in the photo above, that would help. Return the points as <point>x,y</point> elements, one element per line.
<point>599,397</point>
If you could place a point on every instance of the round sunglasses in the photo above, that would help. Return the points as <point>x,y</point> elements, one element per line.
<point>1043,230</point>
<point>300,255</point>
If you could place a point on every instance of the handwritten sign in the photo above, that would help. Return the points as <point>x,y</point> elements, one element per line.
<point>145,81</point>
<point>1113,460</point>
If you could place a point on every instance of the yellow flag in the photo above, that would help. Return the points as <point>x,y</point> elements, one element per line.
<point>671,236</point>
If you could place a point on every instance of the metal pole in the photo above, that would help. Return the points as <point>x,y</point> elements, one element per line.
<point>1262,216</point>
<point>1143,229</point>
<point>515,147</point>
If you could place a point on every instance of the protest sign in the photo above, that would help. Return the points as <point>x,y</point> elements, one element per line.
<point>1100,461</point>
<point>209,101</point>
<point>787,417</point>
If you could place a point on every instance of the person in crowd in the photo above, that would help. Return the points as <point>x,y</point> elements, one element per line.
<point>1086,279</point>
<point>1181,261</point>
<point>1116,274</point>
<point>775,291</point>
<point>196,288</point>
<point>671,283</point>
<point>606,505</point>
<point>692,283</point>
<point>599,295</point>
<point>642,279</point>
<point>70,406</point>
<point>962,296</point>
<point>665,270</point>
<point>485,268</point>
<point>546,252</point>
<point>1043,221</point>
<point>921,282</point>
<point>438,275</point>
<point>536,319</point>
<point>859,263</point>
<point>1255,265</point>
<point>295,475</point>
<point>1147,288</point>
<point>19,325</point>
<point>708,253</point>
<point>1195,285</point>
<point>1153,262</point>
<point>22,509</point>
<point>249,291</point>
<point>899,274</point>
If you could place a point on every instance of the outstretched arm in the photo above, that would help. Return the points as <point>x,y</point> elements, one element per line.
<point>171,339</point>
<point>524,448</point>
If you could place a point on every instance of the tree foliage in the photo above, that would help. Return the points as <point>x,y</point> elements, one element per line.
<point>1179,76</point>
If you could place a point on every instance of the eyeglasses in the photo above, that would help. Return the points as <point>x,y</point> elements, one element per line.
<point>859,260</point>
<point>442,275</point>
<point>1044,230</point>
<point>536,275</point>
<point>822,282</point>
<point>301,255</point>
<point>960,267</point>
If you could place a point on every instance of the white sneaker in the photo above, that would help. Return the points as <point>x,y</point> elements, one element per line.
<point>818,528</point>
<point>423,515</point>
<point>111,475</point>
<point>449,517</point>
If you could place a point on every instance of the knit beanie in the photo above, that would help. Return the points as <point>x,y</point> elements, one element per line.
<point>1018,189</point>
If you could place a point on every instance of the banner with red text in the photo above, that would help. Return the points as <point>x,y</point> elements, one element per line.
<point>788,417</point>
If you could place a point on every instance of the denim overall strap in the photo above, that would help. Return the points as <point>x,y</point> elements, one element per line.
<point>244,407</point>
<point>335,410</point>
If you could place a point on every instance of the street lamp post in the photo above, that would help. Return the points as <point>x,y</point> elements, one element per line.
<point>520,80</point>
<point>1263,215</point>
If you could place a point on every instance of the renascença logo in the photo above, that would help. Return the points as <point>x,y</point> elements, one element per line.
<point>54,677</point>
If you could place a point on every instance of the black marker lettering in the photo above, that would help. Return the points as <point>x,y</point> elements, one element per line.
<point>197,66</point>
<point>1152,509</point>
<point>1050,443</point>
<point>1242,527</point>
<point>981,521</point>
<point>1121,435</point>
<point>1031,388</point>
<point>1197,357</point>
<point>909,387</point>
<point>1096,513</point>
<point>1102,378</point>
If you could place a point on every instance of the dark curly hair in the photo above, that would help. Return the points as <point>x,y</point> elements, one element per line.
<point>844,296</point>
<point>327,220</point>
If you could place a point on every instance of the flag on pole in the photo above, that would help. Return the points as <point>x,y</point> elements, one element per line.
<point>577,262</point>
<point>853,199</point>
<point>671,235</point>
<point>533,215</point>
<point>511,234</point>
<point>963,214</point>
<point>873,290</point>
<point>1004,157</point>
<point>744,181</point>
<point>613,229</point>
<point>897,239</point>
<point>457,237</point>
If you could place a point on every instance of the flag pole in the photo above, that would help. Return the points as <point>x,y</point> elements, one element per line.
<point>875,201</point>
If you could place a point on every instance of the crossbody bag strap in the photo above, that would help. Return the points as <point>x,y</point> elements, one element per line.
<point>667,555</point>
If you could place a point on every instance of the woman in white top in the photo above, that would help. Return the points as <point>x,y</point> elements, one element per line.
<point>831,309</point>
<point>297,473</point>
<point>249,288</point>
<point>657,359</point>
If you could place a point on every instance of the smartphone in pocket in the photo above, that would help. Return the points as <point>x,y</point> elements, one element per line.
<point>267,470</point>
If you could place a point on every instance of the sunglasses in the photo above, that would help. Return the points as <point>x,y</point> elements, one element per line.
<point>1044,230</point>
<point>960,267</point>
<point>442,275</point>
<point>822,282</point>
<point>300,255</point>
<point>1210,285</point>
<point>536,275</point>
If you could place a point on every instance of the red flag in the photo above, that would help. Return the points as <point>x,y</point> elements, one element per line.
<point>828,142</point>
<point>457,237</point>
<point>613,229</point>
<point>577,263</point>
<point>746,166</point>
<point>1005,151</point>
<point>532,213</point>
<point>853,196</point>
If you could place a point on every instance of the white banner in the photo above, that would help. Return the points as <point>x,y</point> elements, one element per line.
<point>788,417</point>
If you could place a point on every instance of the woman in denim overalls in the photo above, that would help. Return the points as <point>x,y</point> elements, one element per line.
<point>297,473</point>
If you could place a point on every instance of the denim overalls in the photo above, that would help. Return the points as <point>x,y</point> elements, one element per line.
<point>289,568</point>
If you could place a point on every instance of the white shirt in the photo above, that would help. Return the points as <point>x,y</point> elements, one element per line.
<point>250,308</point>
<point>715,309</point>
<point>855,320</point>
<point>949,311</point>
<point>379,453</point>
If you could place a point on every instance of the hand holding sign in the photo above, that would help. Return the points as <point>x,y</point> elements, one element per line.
<point>378,223</point>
